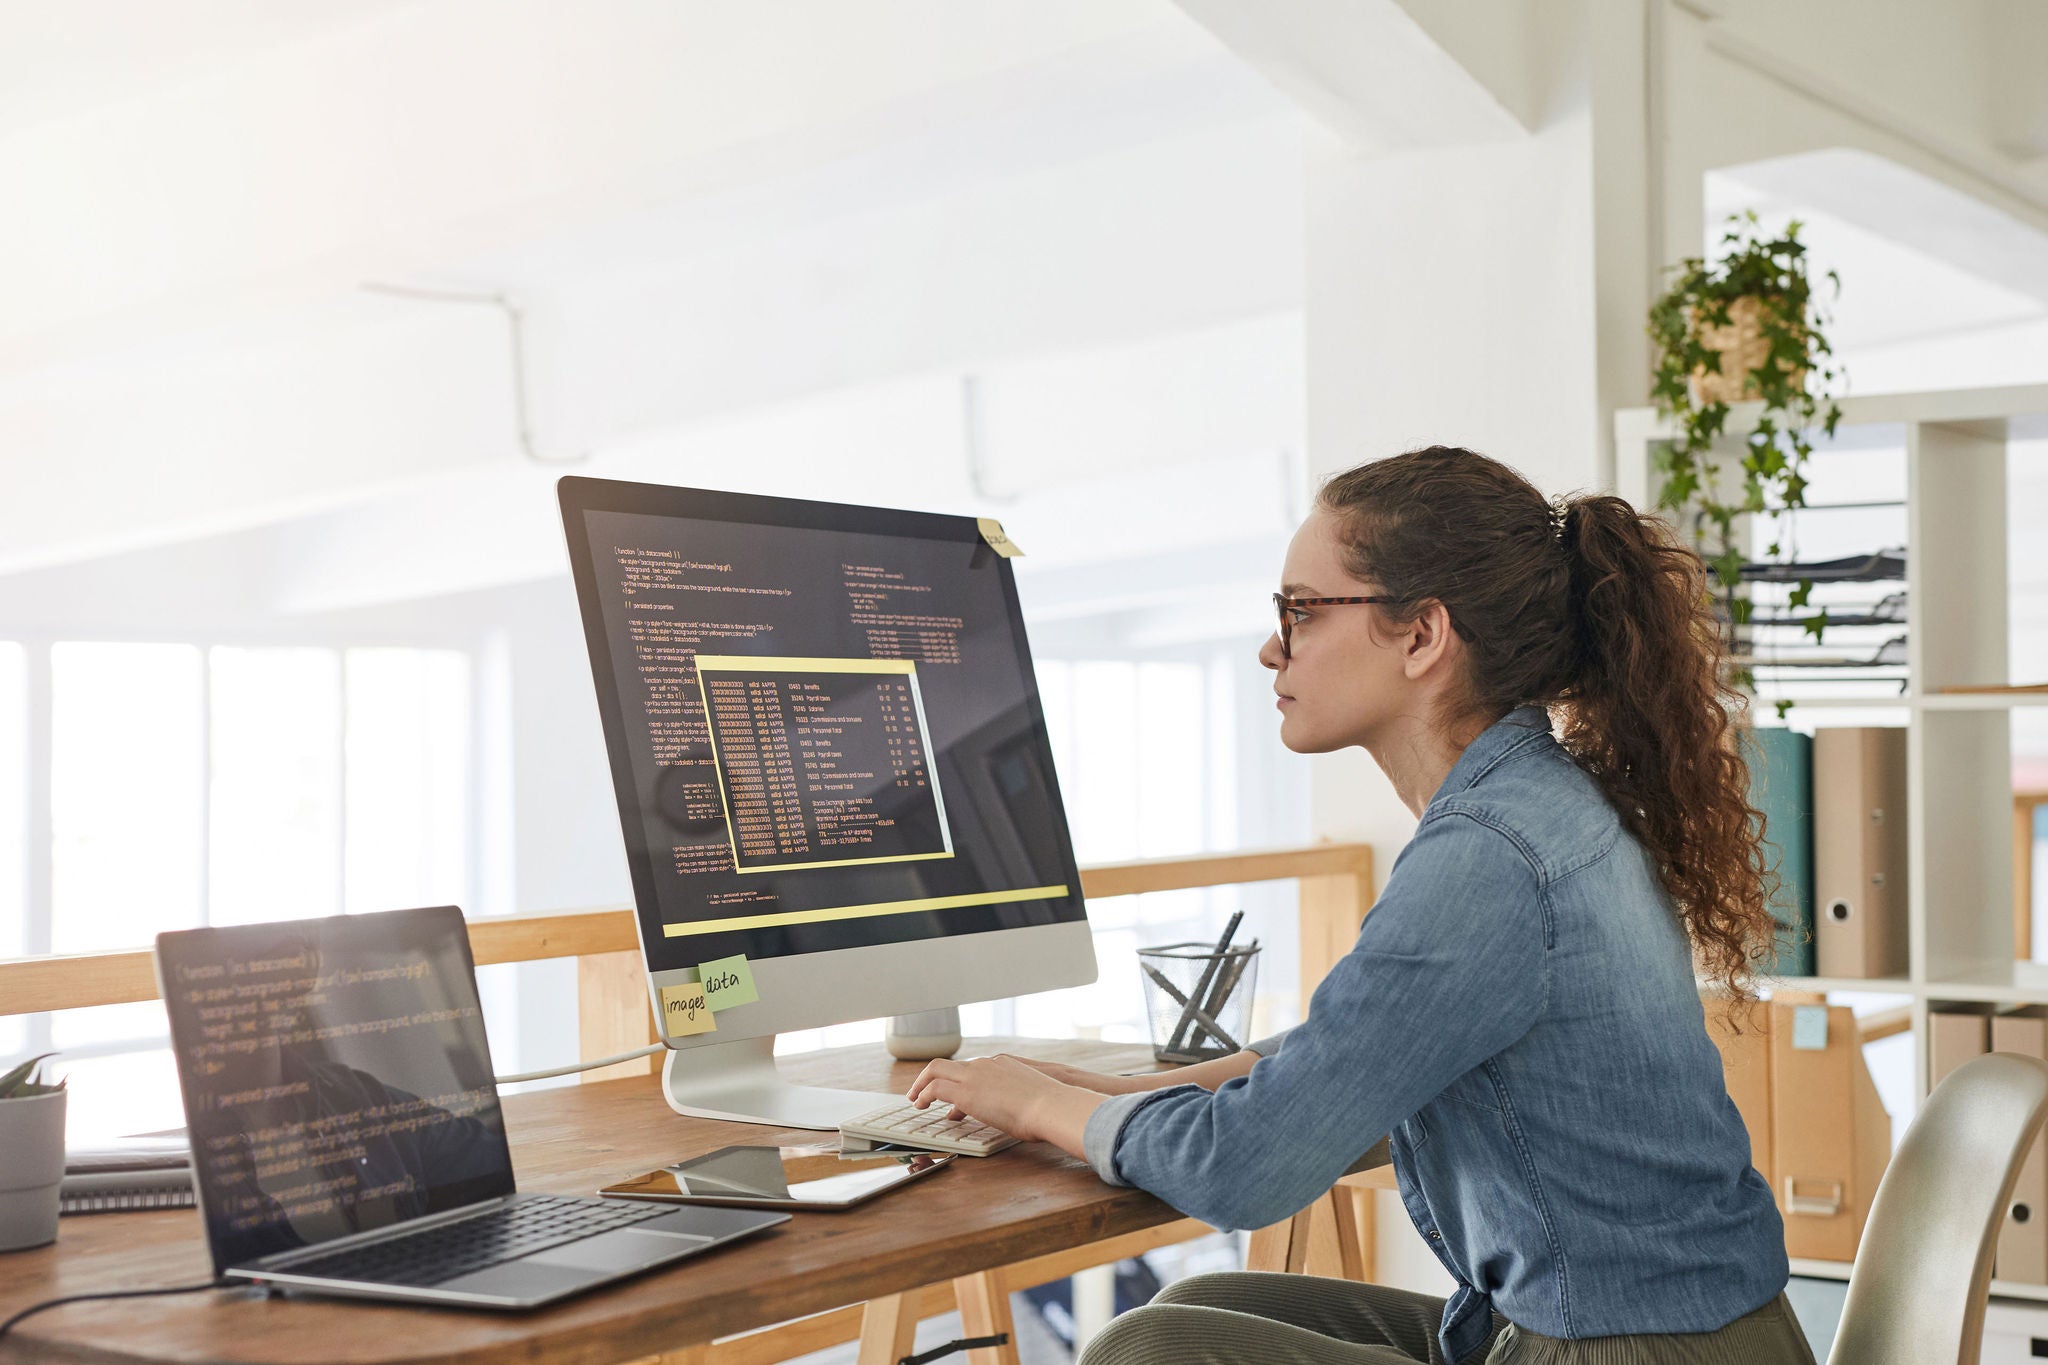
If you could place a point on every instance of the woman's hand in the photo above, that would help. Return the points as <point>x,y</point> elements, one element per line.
<point>1011,1094</point>
<point>1087,1080</point>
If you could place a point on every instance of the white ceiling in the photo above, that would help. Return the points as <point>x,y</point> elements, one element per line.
<point>705,209</point>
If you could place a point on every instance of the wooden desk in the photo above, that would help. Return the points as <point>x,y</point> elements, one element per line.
<point>1031,1201</point>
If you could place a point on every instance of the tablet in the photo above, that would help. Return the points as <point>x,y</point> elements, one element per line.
<point>780,1177</point>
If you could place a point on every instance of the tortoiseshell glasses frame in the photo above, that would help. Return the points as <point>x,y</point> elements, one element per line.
<point>1286,604</point>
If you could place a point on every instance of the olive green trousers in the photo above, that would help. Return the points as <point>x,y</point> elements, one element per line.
<point>1257,1318</point>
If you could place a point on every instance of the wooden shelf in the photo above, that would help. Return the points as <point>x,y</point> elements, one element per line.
<point>1875,985</point>
<point>1979,701</point>
<point>1954,449</point>
<point>2015,983</point>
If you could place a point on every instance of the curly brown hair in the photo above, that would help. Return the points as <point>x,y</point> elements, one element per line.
<point>1602,614</point>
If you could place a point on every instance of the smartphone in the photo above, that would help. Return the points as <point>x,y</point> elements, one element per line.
<point>780,1177</point>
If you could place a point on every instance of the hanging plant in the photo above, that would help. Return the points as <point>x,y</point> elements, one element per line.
<point>1744,327</point>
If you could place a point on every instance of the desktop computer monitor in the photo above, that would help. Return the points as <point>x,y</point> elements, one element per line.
<point>831,759</point>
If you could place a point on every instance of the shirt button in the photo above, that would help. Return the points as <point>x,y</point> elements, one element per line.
<point>1435,1236</point>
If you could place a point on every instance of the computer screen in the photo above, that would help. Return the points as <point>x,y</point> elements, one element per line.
<point>336,1076</point>
<point>823,725</point>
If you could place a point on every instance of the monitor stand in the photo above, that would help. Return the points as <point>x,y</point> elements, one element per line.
<point>738,1081</point>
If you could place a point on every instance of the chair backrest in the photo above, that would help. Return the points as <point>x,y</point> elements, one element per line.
<point>1923,1272</point>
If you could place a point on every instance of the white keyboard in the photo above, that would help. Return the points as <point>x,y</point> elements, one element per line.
<point>909,1126</point>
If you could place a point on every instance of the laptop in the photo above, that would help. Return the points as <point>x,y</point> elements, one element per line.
<point>346,1133</point>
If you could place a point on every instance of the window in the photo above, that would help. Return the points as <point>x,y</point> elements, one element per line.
<point>274,813</point>
<point>228,785</point>
<point>408,778</point>
<point>13,824</point>
<point>127,808</point>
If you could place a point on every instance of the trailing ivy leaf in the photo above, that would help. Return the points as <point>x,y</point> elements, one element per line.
<point>1728,566</point>
<point>1784,704</point>
<point>1799,595</point>
<point>1815,625</point>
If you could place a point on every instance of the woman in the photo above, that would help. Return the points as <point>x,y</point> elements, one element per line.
<point>1520,1009</point>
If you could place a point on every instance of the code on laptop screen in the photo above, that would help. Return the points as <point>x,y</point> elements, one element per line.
<point>336,1076</point>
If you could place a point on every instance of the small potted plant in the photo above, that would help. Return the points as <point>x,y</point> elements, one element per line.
<point>1745,327</point>
<point>31,1155</point>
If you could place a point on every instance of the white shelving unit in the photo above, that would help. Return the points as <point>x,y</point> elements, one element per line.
<point>1959,746</point>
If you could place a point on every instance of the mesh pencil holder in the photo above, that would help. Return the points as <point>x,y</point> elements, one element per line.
<point>1199,1000</point>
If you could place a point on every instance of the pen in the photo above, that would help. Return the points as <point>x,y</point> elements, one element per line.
<point>1177,1041</point>
<point>1202,1016</point>
<point>1227,979</point>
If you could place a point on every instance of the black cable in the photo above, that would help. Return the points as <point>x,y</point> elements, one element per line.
<point>33,1309</point>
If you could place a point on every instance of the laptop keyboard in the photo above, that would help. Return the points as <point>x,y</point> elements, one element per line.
<point>535,1223</point>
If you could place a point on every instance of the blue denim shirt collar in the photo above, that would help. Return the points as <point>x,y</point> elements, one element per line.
<point>1493,744</point>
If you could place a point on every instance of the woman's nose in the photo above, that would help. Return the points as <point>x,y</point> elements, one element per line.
<point>1269,652</point>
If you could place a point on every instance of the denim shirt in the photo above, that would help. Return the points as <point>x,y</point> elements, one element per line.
<point>1519,1013</point>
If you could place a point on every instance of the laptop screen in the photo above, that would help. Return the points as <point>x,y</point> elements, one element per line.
<point>336,1076</point>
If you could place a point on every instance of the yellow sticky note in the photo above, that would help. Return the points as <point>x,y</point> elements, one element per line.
<point>992,532</point>
<point>727,982</point>
<point>684,1012</point>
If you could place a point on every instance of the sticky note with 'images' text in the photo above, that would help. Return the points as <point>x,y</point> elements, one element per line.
<point>683,1010</point>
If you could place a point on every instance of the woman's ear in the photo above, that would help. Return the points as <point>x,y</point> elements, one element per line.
<point>1429,640</point>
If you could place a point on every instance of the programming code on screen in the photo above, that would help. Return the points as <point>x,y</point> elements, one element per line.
<point>833,736</point>
<point>822,761</point>
<point>328,1099</point>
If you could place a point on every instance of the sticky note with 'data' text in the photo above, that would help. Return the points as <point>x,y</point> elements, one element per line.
<point>727,982</point>
<point>683,1010</point>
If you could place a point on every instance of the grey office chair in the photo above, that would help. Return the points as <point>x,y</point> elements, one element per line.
<point>1923,1272</point>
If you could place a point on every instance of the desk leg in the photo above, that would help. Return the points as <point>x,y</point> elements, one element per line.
<point>1357,1232</point>
<point>985,1311</point>
<point>888,1328</point>
<point>1281,1246</point>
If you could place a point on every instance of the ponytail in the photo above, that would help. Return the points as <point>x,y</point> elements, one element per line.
<point>1648,715</point>
<point>1600,613</point>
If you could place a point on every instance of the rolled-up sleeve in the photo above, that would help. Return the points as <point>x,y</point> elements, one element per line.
<point>1448,970</point>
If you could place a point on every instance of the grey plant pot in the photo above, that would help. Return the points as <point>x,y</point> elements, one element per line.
<point>31,1169</point>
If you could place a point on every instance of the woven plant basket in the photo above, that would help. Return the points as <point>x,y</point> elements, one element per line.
<point>1742,347</point>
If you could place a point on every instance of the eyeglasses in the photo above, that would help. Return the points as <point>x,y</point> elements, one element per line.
<point>1287,606</point>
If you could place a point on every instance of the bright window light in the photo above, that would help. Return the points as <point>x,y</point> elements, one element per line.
<point>407,766</point>
<point>274,829</point>
<point>126,807</point>
<point>13,825</point>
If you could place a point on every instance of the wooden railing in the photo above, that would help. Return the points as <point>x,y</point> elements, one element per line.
<point>1336,891</point>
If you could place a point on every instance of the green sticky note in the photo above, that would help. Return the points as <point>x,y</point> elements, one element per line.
<point>1810,1028</point>
<point>727,982</point>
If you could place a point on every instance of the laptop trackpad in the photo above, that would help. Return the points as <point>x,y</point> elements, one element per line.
<point>620,1250</point>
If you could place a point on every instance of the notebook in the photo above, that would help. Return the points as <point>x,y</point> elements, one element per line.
<point>345,1129</point>
<point>147,1172</point>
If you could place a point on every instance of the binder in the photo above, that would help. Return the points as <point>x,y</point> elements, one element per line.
<point>1859,851</point>
<point>1742,1031</point>
<point>1830,1138</point>
<point>2023,1236</point>
<point>1955,1036</point>
<point>1781,787</point>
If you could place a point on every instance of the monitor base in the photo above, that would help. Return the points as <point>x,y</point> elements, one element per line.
<point>738,1081</point>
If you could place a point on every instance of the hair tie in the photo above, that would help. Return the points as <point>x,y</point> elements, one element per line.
<point>1559,510</point>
